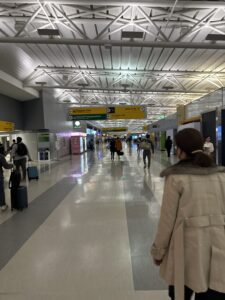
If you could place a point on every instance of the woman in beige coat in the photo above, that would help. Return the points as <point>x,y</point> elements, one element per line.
<point>190,242</point>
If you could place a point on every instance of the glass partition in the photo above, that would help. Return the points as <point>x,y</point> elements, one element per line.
<point>206,103</point>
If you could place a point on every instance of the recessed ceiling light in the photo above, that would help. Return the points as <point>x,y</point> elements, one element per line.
<point>52,32</point>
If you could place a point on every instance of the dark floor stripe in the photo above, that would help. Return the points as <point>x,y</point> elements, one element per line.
<point>141,230</point>
<point>15,231</point>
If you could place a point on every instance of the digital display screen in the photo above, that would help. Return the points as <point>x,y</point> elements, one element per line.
<point>219,132</point>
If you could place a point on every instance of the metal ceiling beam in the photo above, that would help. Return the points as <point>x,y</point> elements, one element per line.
<point>105,21</point>
<point>150,3</point>
<point>130,71</point>
<point>78,88</point>
<point>90,42</point>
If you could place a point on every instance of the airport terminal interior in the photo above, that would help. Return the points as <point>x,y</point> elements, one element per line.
<point>79,78</point>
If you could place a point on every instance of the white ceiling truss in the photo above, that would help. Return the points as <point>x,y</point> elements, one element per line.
<point>91,63</point>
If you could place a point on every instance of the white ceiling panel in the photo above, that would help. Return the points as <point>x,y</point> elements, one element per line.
<point>180,70</point>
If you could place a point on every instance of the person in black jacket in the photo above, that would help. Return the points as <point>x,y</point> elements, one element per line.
<point>5,165</point>
<point>168,145</point>
<point>112,148</point>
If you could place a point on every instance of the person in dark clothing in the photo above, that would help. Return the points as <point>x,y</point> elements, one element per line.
<point>19,155</point>
<point>5,165</point>
<point>168,145</point>
<point>147,147</point>
<point>112,148</point>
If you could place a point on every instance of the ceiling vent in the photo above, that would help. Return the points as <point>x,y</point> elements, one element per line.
<point>65,77</point>
<point>215,37</point>
<point>52,32</point>
<point>41,82</point>
<point>168,88</point>
<point>83,84</point>
<point>125,85</point>
<point>132,34</point>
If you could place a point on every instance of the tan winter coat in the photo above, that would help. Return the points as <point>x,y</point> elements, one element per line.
<point>191,232</point>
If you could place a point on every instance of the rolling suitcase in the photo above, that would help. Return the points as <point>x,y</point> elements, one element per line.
<point>32,173</point>
<point>20,199</point>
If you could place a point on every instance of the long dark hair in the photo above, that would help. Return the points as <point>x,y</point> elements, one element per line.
<point>191,142</point>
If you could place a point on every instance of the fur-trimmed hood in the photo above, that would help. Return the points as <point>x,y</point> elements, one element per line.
<point>186,167</point>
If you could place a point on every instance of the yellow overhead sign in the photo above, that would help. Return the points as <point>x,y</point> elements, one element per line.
<point>114,129</point>
<point>87,111</point>
<point>181,114</point>
<point>127,112</point>
<point>145,128</point>
<point>6,126</point>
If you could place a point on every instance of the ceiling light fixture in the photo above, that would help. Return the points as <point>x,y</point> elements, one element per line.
<point>51,32</point>
<point>132,34</point>
<point>215,37</point>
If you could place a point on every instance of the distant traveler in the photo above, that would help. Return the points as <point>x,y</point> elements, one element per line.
<point>208,146</point>
<point>5,165</point>
<point>118,146</point>
<point>19,155</point>
<point>147,147</point>
<point>190,242</point>
<point>138,146</point>
<point>168,145</point>
<point>112,147</point>
<point>13,143</point>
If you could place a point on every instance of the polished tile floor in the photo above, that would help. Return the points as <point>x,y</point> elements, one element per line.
<point>87,232</point>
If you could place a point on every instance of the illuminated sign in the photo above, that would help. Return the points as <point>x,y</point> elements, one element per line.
<point>6,126</point>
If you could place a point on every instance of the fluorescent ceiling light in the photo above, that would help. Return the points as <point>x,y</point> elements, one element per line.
<point>132,34</point>
<point>51,32</point>
<point>215,37</point>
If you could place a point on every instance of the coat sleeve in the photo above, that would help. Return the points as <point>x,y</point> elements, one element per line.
<point>5,164</point>
<point>167,219</point>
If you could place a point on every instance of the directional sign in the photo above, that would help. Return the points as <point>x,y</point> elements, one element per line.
<point>114,129</point>
<point>6,126</point>
<point>87,113</point>
<point>104,113</point>
<point>126,112</point>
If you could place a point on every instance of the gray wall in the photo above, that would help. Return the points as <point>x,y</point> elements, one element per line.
<point>55,114</point>
<point>33,114</point>
<point>163,125</point>
<point>11,110</point>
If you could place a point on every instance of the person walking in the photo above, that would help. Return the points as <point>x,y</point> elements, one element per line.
<point>189,245</point>
<point>138,146</point>
<point>147,147</point>
<point>208,146</point>
<point>19,155</point>
<point>5,165</point>
<point>168,145</point>
<point>112,147</point>
<point>118,146</point>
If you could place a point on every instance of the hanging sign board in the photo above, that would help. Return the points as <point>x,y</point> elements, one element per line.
<point>114,129</point>
<point>104,113</point>
<point>126,112</point>
<point>6,126</point>
<point>88,113</point>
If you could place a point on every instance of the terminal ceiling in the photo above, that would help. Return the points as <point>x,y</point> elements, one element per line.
<point>93,62</point>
